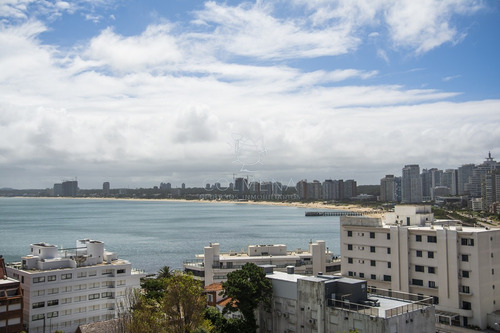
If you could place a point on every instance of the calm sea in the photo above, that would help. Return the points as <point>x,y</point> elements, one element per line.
<point>152,234</point>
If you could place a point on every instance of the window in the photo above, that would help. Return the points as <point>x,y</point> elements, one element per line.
<point>372,235</point>
<point>66,289</point>
<point>466,305</point>
<point>419,268</point>
<point>79,298</point>
<point>372,249</point>
<point>464,289</point>
<point>39,279</point>
<point>465,274</point>
<point>81,274</point>
<point>417,282</point>
<point>468,241</point>
<point>349,233</point>
<point>107,271</point>
<point>435,299</point>
<point>419,253</point>
<point>350,273</point>
<point>349,247</point>
<point>66,312</point>
<point>94,307</point>
<point>120,271</point>
<point>431,239</point>
<point>80,287</point>
<point>388,236</point>
<point>387,278</point>
<point>39,293</point>
<point>361,275</point>
<point>53,314</point>
<point>51,278</point>
<point>107,294</point>
<point>349,260</point>
<point>432,284</point>
<point>389,265</point>
<point>38,317</point>
<point>465,257</point>
<point>430,254</point>
<point>38,305</point>
<point>373,263</point>
<point>418,238</point>
<point>53,302</point>
<point>93,296</point>
<point>92,273</point>
<point>66,276</point>
<point>388,250</point>
<point>431,270</point>
<point>373,277</point>
<point>66,300</point>
<point>51,291</point>
<point>94,285</point>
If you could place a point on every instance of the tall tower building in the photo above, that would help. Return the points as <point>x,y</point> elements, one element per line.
<point>463,175</point>
<point>105,188</point>
<point>388,189</point>
<point>411,184</point>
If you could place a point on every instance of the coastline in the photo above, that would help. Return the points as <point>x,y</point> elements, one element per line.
<point>368,211</point>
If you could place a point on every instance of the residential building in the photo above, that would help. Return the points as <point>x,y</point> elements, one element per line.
<point>411,252</point>
<point>69,188</point>
<point>350,189</point>
<point>388,189</point>
<point>474,186</point>
<point>332,304</point>
<point>105,188</point>
<point>463,175</point>
<point>70,287</point>
<point>213,266</point>
<point>11,303</point>
<point>411,184</point>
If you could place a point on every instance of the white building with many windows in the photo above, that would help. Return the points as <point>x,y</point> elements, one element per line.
<point>65,288</point>
<point>409,251</point>
<point>214,265</point>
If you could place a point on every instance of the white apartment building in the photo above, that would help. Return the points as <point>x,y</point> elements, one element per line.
<point>213,266</point>
<point>331,304</point>
<point>411,252</point>
<point>70,287</point>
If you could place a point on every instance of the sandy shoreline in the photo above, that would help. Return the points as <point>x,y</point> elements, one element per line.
<point>313,205</point>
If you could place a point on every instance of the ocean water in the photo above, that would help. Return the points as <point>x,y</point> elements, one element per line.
<point>152,234</point>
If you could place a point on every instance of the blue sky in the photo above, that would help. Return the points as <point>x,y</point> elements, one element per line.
<point>143,92</point>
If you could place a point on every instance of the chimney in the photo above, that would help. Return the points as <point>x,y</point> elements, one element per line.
<point>290,269</point>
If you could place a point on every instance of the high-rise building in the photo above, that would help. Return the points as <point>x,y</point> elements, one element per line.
<point>388,189</point>
<point>463,174</point>
<point>67,288</point>
<point>449,179</point>
<point>409,251</point>
<point>411,184</point>
<point>69,188</point>
<point>350,189</point>
<point>105,188</point>
<point>474,186</point>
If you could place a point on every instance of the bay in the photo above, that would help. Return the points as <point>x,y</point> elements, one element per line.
<point>152,234</point>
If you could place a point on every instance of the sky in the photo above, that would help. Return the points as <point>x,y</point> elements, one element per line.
<point>138,92</point>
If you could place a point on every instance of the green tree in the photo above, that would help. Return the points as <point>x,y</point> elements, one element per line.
<point>164,272</point>
<point>248,287</point>
<point>183,303</point>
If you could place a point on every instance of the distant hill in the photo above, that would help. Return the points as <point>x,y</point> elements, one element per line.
<point>369,189</point>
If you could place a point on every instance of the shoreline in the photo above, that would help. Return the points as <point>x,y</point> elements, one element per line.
<point>368,211</point>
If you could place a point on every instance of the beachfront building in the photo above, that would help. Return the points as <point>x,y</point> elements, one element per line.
<point>65,288</point>
<point>213,266</point>
<point>11,303</point>
<point>411,252</point>
<point>332,304</point>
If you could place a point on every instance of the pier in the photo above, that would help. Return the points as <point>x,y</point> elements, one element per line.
<point>334,213</point>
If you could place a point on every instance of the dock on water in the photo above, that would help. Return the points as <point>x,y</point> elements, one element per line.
<point>334,213</point>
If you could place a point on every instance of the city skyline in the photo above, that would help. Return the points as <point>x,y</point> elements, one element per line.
<point>141,92</point>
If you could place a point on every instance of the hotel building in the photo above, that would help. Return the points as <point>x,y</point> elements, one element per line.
<point>411,252</point>
<point>70,287</point>
<point>331,304</point>
<point>213,266</point>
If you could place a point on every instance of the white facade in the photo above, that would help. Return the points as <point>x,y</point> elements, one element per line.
<point>213,266</point>
<point>411,252</point>
<point>331,304</point>
<point>67,288</point>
